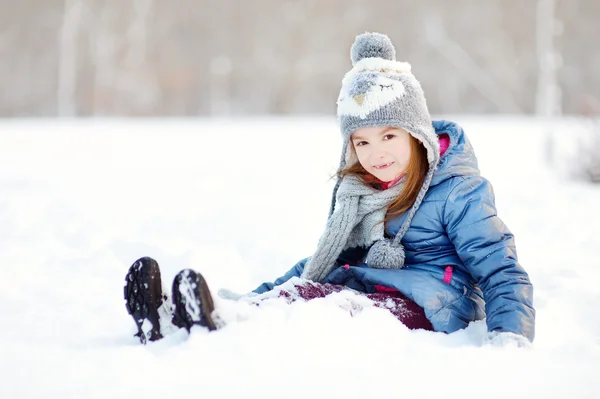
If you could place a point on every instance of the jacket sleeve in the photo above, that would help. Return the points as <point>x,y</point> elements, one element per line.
<point>487,249</point>
<point>352,256</point>
<point>295,271</point>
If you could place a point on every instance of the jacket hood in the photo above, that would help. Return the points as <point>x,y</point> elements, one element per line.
<point>459,159</point>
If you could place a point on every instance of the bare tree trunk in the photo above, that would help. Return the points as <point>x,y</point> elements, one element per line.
<point>220,86</point>
<point>140,77</point>
<point>67,59</point>
<point>103,43</point>
<point>220,60</point>
<point>548,102</point>
<point>467,67</point>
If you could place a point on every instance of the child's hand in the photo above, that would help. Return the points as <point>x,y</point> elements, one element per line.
<point>506,339</point>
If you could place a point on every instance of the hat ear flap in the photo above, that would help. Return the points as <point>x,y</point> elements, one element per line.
<point>350,156</point>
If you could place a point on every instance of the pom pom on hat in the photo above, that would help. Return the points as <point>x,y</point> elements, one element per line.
<point>375,45</point>
<point>385,255</point>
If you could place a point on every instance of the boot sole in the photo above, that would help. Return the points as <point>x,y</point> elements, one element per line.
<point>141,302</point>
<point>193,302</point>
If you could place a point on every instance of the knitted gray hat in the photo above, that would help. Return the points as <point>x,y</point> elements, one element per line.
<point>380,91</point>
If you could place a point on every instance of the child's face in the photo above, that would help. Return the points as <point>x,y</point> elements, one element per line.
<point>383,151</point>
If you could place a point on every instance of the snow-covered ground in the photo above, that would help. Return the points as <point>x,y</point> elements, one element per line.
<point>242,201</point>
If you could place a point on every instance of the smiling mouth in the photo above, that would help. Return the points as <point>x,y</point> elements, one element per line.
<point>385,165</point>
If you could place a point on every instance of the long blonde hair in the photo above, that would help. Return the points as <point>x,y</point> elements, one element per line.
<point>415,176</point>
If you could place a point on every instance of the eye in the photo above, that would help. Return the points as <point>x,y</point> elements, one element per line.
<point>389,136</point>
<point>360,143</point>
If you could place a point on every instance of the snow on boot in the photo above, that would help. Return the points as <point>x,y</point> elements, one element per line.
<point>143,296</point>
<point>193,301</point>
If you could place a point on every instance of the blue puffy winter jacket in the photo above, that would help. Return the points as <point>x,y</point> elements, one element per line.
<point>456,225</point>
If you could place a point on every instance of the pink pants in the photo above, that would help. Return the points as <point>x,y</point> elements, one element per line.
<point>407,311</point>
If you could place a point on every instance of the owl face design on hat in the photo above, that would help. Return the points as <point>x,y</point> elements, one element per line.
<point>368,92</point>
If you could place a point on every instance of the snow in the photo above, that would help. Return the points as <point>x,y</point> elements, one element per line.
<point>241,201</point>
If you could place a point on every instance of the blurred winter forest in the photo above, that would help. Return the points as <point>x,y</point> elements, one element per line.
<point>224,57</point>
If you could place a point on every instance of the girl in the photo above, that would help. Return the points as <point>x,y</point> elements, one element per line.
<point>411,221</point>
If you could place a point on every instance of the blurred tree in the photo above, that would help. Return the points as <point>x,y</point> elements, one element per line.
<point>224,57</point>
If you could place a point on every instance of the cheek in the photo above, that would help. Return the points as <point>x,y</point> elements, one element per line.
<point>363,157</point>
<point>402,151</point>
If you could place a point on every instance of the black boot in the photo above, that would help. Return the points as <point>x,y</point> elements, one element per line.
<point>193,301</point>
<point>143,296</point>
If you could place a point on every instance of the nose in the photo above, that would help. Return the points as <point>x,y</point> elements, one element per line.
<point>378,154</point>
<point>377,157</point>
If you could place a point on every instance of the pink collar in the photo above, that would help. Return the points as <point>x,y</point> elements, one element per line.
<point>444,143</point>
<point>387,184</point>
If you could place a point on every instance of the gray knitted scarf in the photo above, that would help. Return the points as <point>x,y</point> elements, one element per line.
<point>356,221</point>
